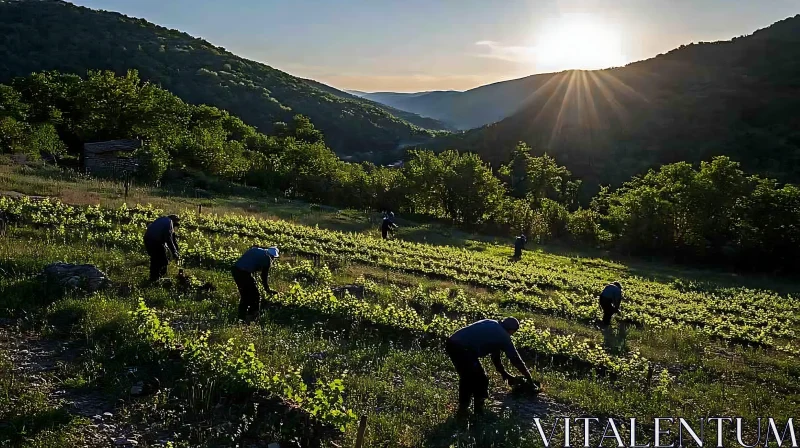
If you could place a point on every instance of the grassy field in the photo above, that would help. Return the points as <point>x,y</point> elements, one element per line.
<point>689,343</point>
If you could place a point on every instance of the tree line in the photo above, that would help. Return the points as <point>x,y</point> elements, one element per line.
<point>711,213</point>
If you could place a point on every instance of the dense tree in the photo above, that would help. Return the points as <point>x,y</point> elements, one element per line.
<point>711,213</point>
<point>470,192</point>
<point>538,178</point>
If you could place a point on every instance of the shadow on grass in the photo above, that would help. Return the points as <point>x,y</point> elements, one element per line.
<point>511,425</point>
<point>615,339</point>
<point>27,425</point>
<point>25,295</point>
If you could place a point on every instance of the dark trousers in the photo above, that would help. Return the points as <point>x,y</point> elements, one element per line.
<point>158,259</point>
<point>607,305</point>
<point>517,252</point>
<point>385,234</point>
<point>472,379</point>
<point>250,299</point>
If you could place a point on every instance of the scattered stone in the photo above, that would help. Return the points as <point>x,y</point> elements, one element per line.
<point>84,276</point>
<point>107,415</point>
<point>122,441</point>
<point>97,417</point>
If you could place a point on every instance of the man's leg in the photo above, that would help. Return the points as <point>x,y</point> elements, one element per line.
<point>253,299</point>
<point>457,356</point>
<point>608,311</point>
<point>158,259</point>
<point>480,386</point>
<point>243,280</point>
<point>162,262</point>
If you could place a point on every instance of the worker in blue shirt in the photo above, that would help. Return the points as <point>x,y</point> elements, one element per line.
<point>465,348</point>
<point>253,260</point>
<point>159,237</point>
<point>388,225</point>
<point>519,244</point>
<point>610,301</point>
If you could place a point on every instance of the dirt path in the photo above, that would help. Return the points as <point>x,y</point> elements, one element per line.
<point>39,364</point>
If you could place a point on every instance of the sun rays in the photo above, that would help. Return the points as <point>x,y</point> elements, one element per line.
<point>581,102</point>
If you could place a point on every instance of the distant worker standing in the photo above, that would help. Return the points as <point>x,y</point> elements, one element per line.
<point>465,348</point>
<point>388,225</point>
<point>253,260</point>
<point>159,237</point>
<point>519,244</point>
<point>610,301</point>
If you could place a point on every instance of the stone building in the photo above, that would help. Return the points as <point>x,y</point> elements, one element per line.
<point>111,158</point>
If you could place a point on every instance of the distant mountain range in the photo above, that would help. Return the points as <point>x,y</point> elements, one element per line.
<point>355,95</point>
<point>739,98</point>
<point>37,35</point>
<point>463,110</point>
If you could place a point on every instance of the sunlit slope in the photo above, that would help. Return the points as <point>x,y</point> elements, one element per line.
<point>739,98</point>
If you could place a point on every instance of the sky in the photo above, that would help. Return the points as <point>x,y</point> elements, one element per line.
<point>421,45</point>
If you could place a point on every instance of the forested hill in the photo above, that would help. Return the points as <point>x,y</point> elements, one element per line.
<point>739,98</point>
<point>38,35</point>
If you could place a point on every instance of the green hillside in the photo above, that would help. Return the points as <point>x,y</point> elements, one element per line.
<point>54,35</point>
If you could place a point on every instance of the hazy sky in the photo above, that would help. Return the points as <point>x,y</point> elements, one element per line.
<point>416,45</point>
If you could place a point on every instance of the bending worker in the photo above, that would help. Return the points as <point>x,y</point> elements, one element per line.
<point>465,348</point>
<point>610,300</point>
<point>159,237</point>
<point>253,260</point>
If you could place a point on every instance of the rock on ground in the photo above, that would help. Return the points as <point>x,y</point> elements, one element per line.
<point>84,276</point>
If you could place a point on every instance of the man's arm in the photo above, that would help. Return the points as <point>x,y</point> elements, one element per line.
<point>517,362</point>
<point>172,242</point>
<point>498,364</point>
<point>265,280</point>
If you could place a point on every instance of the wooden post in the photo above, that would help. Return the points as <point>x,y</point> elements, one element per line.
<point>362,428</point>
<point>200,209</point>
<point>127,184</point>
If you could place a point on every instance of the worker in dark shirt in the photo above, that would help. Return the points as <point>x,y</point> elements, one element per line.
<point>610,300</point>
<point>388,225</point>
<point>465,348</point>
<point>519,244</point>
<point>253,260</point>
<point>158,238</point>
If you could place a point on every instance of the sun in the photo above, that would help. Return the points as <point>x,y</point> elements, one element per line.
<point>577,42</point>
